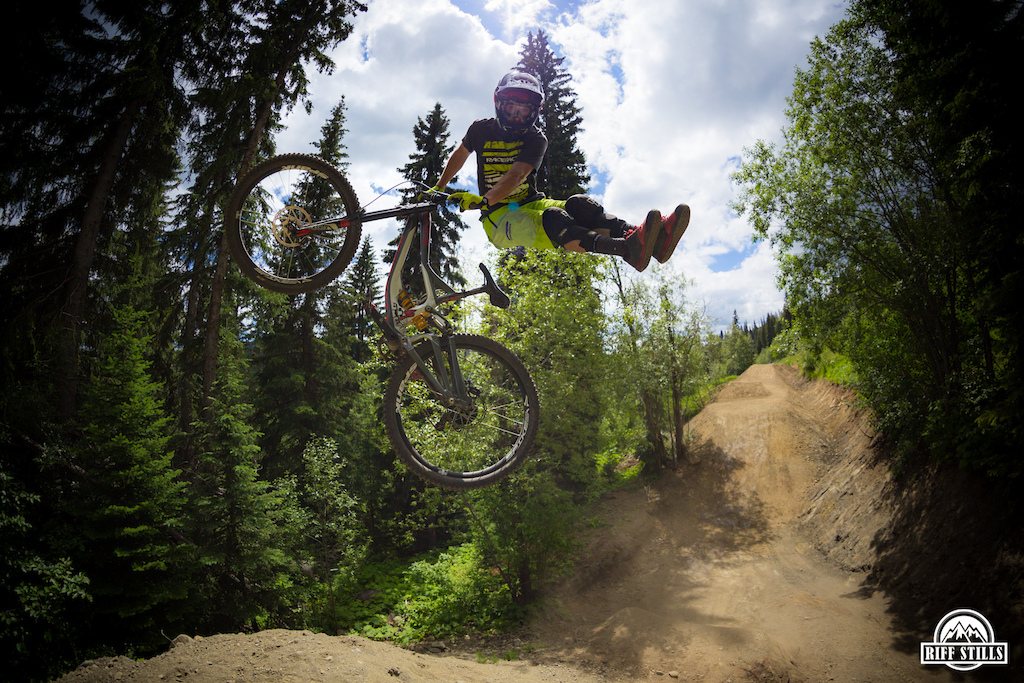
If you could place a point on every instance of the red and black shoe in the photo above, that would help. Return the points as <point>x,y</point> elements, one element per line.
<point>640,241</point>
<point>675,225</point>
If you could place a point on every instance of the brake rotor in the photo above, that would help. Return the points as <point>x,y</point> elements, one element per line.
<point>287,223</point>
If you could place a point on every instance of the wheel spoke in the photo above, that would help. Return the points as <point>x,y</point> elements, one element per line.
<point>471,445</point>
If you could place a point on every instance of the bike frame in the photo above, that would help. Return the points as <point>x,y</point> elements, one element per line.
<point>450,389</point>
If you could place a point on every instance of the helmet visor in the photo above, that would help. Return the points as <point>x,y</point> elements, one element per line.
<point>518,107</point>
<point>520,96</point>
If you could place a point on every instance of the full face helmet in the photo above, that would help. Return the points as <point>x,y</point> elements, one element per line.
<point>518,100</point>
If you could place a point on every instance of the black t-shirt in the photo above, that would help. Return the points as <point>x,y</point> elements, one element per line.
<point>497,150</point>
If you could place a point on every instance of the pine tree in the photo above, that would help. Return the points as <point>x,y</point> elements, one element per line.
<point>330,147</point>
<point>241,102</point>
<point>305,381</point>
<point>424,168</point>
<point>126,510</point>
<point>564,171</point>
<point>360,284</point>
<point>236,518</point>
<point>97,124</point>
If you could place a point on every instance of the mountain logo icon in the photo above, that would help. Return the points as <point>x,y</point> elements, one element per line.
<point>965,629</point>
<point>964,640</point>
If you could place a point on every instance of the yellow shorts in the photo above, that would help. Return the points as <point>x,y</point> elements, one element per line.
<point>522,227</point>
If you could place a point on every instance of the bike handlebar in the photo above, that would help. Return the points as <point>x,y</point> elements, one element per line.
<point>437,197</point>
<point>440,197</point>
<point>428,201</point>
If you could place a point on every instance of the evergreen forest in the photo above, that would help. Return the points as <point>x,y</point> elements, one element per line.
<point>182,451</point>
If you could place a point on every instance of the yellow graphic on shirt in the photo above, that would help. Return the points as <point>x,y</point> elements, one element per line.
<point>497,157</point>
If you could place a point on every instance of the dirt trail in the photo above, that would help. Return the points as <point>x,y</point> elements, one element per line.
<point>719,572</point>
<point>713,573</point>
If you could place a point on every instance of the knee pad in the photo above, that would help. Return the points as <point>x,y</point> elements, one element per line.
<point>584,210</point>
<point>560,226</point>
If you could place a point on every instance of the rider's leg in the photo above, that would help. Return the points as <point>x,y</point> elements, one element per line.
<point>588,213</point>
<point>601,233</point>
<point>565,232</point>
<point>585,211</point>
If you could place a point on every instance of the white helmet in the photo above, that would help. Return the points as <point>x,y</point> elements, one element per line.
<point>516,92</point>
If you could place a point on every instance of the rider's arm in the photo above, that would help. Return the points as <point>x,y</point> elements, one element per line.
<point>509,183</point>
<point>454,165</point>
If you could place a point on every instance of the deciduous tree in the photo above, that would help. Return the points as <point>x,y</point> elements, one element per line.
<point>873,210</point>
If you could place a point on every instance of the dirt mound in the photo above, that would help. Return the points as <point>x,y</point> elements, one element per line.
<point>279,655</point>
<point>783,551</point>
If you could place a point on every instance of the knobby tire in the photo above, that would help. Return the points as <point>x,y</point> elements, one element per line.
<point>464,450</point>
<point>269,214</point>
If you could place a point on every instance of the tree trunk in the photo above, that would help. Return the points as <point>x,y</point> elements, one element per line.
<point>677,399</point>
<point>212,345</point>
<point>188,335</point>
<point>652,411</point>
<point>677,419</point>
<point>252,144</point>
<point>211,348</point>
<point>85,250</point>
<point>651,414</point>
<point>186,455</point>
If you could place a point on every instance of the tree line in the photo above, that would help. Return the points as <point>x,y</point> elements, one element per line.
<point>181,451</point>
<point>896,188</point>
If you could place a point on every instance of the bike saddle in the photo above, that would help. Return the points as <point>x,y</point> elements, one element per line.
<point>498,297</point>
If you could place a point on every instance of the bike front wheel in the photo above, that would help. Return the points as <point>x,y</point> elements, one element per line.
<point>469,446</point>
<point>292,223</point>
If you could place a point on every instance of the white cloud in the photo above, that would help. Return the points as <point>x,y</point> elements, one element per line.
<point>518,15</point>
<point>671,92</point>
<point>402,58</point>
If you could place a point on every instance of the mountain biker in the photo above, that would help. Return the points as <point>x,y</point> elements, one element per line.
<point>509,148</point>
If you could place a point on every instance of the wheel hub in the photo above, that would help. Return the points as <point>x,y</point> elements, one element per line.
<point>458,416</point>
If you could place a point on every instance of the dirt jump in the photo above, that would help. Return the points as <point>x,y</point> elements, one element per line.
<point>781,551</point>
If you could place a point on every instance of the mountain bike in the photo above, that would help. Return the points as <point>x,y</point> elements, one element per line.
<point>461,410</point>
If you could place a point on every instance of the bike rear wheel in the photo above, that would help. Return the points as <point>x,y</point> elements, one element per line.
<point>471,446</point>
<point>292,223</point>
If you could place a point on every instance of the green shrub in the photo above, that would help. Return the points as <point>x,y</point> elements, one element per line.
<point>439,595</point>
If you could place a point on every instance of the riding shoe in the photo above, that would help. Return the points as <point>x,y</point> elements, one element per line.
<point>674,227</point>
<point>641,240</point>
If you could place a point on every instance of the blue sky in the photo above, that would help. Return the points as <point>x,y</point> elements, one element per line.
<point>671,92</point>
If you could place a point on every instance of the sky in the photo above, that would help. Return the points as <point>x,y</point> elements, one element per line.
<point>671,92</point>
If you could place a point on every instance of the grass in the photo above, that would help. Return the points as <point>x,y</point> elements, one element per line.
<point>828,365</point>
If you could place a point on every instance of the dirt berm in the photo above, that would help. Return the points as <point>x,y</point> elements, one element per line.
<point>783,552</point>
